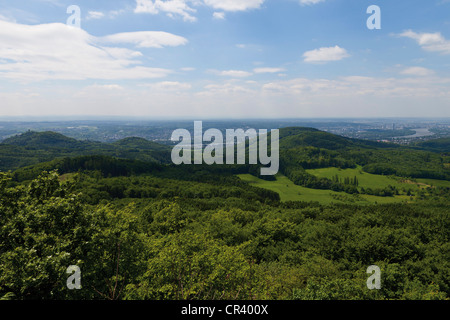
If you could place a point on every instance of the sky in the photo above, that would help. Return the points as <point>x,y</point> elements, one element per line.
<point>225,59</point>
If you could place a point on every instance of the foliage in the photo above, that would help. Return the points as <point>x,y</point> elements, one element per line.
<point>32,148</point>
<point>214,248</point>
<point>141,230</point>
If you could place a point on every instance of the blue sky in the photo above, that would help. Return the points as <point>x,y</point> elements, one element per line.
<point>225,58</point>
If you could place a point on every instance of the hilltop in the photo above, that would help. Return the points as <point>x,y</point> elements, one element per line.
<point>40,140</point>
<point>31,148</point>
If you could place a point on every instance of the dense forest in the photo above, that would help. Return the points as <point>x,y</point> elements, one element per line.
<point>141,228</point>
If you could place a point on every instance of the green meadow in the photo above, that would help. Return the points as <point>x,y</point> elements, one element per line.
<point>434,182</point>
<point>366,180</point>
<point>288,191</point>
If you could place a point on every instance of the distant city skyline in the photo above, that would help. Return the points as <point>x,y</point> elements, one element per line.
<point>224,59</point>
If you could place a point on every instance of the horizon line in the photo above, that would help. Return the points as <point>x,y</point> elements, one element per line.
<point>52,118</point>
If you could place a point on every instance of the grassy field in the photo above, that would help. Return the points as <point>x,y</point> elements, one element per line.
<point>288,191</point>
<point>366,180</point>
<point>434,183</point>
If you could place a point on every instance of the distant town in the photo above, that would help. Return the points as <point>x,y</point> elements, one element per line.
<point>398,130</point>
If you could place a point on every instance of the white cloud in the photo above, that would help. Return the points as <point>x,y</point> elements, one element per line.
<point>4,18</point>
<point>146,6</point>
<point>165,86</point>
<point>108,87</point>
<point>171,7</point>
<point>184,8</point>
<point>57,51</point>
<point>226,88</point>
<point>352,96</point>
<point>417,71</point>
<point>92,15</point>
<point>325,54</point>
<point>234,5</point>
<point>95,15</point>
<point>310,2</point>
<point>360,86</point>
<point>219,15</point>
<point>429,41</point>
<point>268,70</point>
<point>146,39</point>
<point>234,73</point>
<point>308,97</point>
<point>301,86</point>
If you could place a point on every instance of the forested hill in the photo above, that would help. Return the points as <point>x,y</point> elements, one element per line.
<point>41,140</point>
<point>305,148</point>
<point>31,148</point>
<point>140,144</point>
<point>300,137</point>
<point>300,149</point>
<point>437,145</point>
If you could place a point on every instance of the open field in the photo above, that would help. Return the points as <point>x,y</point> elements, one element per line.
<point>365,180</point>
<point>288,191</point>
<point>434,182</point>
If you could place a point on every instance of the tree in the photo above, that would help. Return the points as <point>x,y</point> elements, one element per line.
<point>44,229</point>
<point>186,265</point>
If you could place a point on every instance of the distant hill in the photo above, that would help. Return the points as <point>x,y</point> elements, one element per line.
<point>39,140</point>
<point>306,148</point>
<point>298,136</point>
<point>302,137</point>
<point>139,143</point>
<point>32,148</point>
<point>438,145</point>
<point>300,149</point>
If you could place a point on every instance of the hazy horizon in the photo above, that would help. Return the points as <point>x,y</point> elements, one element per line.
<point>57,118</point>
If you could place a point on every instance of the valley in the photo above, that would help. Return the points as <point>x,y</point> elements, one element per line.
<point>124,213</point>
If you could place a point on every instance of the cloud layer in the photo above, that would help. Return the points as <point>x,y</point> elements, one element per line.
<point>57,51</point>
<point>234,5</point>
<point>325,54</point>
<point>146,39</point>
<point>417,71</point>
<point>351,96</point>
<point>185,8</point>
<point>310,2</point>
<point>170,7</point>
<point>434,42</point>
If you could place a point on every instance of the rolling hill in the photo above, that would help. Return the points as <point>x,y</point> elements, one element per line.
<point>31,148</point>
<point>436,145</point>
<point>41,140</point>
<point>301,150</point>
